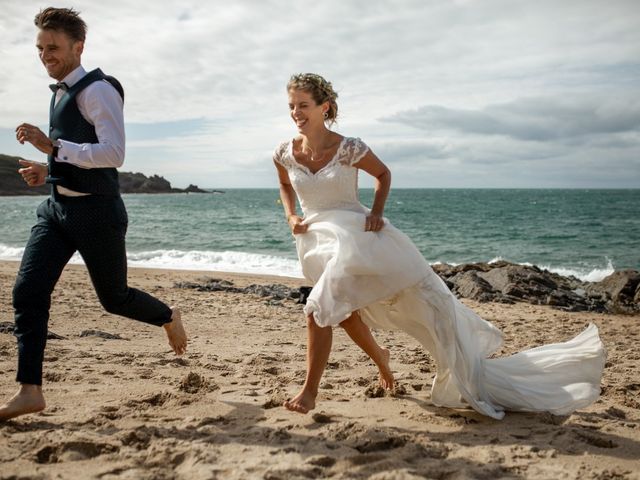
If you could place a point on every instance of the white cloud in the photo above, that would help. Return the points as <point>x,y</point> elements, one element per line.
<point>463,71</point>
<point>540,119</point>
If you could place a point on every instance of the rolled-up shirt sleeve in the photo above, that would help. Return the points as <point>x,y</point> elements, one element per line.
<point>101,105</point>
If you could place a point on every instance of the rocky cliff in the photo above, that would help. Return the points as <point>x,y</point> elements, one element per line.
<point>11,182</point>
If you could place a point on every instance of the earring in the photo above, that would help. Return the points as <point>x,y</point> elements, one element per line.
<point>325,115</point>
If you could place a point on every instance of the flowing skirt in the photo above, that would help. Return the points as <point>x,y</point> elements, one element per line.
<point>386,278</point>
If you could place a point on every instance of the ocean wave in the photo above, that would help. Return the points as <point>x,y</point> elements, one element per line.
<point>233,262</point>
<point>10,253</point>
<point>261,264</point>
<point>584,274</point>
<point>237,262</point>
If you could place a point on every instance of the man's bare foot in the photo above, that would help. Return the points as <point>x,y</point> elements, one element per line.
<point>301,403</point>
<point>29,399</point>
<point>175,332</point>
<point>386,376</point>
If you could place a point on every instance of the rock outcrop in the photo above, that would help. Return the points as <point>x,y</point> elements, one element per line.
<point>502,282</point>
<point>509,283</point>
<point>11,182</point>
<point>140,183</point>
<point>275,292</point>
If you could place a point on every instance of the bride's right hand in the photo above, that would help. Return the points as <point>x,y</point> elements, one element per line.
<point>296,225</point>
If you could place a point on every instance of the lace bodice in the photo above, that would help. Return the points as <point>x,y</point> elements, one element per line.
<point>333,187</point>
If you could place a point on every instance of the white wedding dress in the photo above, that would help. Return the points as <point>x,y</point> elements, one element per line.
<point>384,276</point>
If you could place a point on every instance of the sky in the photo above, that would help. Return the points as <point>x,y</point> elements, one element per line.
<point>449,94</point>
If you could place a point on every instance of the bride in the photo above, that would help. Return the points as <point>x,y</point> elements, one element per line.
<point>367,274</point>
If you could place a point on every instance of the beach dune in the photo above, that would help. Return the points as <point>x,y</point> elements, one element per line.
<point>121,405</point>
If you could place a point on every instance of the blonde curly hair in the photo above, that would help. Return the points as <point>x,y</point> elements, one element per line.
<point>321,91</point>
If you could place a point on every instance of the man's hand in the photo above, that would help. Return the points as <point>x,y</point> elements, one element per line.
<point>36,137</point>
<point>33,173</point>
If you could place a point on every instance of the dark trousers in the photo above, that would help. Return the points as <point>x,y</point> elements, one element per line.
<point>95,227</point>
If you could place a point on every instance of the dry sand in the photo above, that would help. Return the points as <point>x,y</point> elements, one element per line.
<point>129,409</point>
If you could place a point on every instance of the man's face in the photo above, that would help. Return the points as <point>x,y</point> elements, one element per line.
<point>59,54</point>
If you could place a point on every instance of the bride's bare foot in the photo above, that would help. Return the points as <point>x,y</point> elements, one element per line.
<point>29,399</point>
<point>301,403</point>
<point>386,376</point>
<point>176,333</point>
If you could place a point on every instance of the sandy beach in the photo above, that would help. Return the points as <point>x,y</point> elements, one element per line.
<point>125,407</point>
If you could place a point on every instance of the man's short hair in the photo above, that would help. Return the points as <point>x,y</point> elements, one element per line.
<point>66,20</point>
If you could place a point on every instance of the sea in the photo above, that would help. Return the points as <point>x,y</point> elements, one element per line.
<point>585,233</point>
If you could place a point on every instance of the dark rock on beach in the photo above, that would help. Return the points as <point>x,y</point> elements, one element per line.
<point>501,282</point>
<point>101,334</point>
<point>620,290</point>
<point>509,283</point>
<point>275,291</point>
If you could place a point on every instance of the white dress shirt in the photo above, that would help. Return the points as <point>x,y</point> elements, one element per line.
<point>100,104</point>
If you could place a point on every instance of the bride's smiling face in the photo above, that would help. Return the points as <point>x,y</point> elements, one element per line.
<point>304,111</point>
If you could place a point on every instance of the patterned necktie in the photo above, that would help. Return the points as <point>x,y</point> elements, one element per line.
<point>58,86</point>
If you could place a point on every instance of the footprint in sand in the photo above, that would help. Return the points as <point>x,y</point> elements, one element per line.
<point>110,412</point>
<point>366,459</point>
<point>194,383</point>
<point>321,461</point>
<point>405,474</point>
<point>308,471</point>
<point>179,362</point>
<point>138,438</point>
<point>595,440</point>
<point>616,413</point>
<point>321,417</point>
<point>219,419</point>
<point>154,400</point>
<point>387,442</point>
<point>53,376</point>
<point>274,401</point>
<point>345,431</point>
<point>376,391</point>
<point>73,451</point>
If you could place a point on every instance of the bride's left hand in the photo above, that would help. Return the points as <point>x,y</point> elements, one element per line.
<point>296,225</point>
<point>373,223</point>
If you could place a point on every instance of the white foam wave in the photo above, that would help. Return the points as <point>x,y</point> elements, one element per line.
<point>10,253</point>
<point>586,275</point>
<point>583,274</point>
<point>260,264</point>
<point>239,262</point>
<point>235,262</point>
